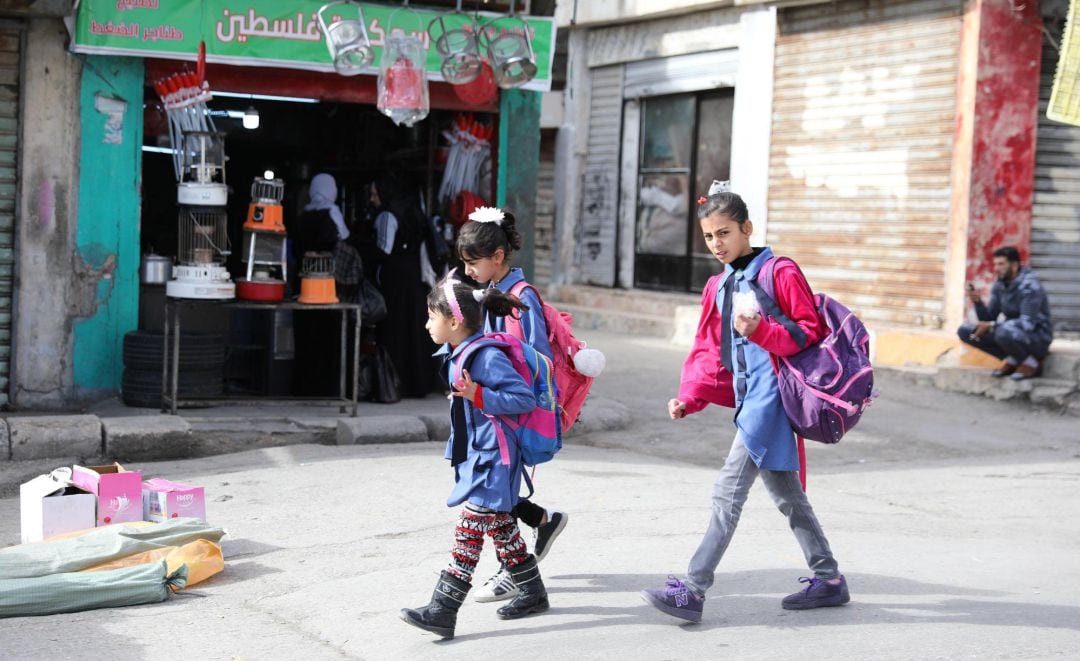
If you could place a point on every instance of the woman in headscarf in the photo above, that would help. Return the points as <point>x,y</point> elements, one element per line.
<point>401,229</point>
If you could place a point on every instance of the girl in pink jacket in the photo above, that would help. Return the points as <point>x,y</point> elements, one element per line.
<point>733,363</point>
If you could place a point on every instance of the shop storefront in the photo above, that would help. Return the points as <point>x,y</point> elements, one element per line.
<point>666,106</point>
<point>269,60</point>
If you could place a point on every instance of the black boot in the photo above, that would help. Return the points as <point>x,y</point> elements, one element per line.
<point>532,597</point>
<point>440,615</point>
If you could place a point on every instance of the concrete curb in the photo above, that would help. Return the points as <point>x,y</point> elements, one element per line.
<point>381,429</point>
<point>147,437</point>
<point>49,436</point>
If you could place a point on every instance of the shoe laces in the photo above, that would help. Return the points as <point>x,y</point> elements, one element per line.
<point>674,586</point>
<point>812,581</point>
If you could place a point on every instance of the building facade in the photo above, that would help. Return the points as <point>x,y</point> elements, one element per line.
<point>887,145</point>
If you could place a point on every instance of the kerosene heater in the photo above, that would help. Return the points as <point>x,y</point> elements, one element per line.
<point>202,232</point>
<point>317,279</point>
<point>265,265</point>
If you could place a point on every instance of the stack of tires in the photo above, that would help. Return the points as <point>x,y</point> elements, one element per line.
<point>202,367</point>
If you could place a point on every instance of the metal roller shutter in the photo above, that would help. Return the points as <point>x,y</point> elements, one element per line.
<point>10,47</point>
<point>597,229</point>
<point>863,119</point>
<point>1055,222</point>
<point>545,210</point>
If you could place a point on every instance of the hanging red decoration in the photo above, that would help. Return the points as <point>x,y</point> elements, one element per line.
<point>480,91</point>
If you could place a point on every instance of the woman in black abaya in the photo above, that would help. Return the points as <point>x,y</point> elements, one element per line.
<point>401,229</point>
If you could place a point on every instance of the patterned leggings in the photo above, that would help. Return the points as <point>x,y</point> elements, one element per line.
<point>476,522</point>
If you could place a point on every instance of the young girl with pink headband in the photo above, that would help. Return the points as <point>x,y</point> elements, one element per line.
<point>488,485</point>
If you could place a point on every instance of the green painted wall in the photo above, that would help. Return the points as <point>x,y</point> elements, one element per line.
<point>107,234</point>
<point>518,163</point>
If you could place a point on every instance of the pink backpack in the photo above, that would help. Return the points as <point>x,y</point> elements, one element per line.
<point>572,387</point>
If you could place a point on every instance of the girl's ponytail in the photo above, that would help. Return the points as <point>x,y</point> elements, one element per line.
<point>457,300</point>
<point>498,303</point>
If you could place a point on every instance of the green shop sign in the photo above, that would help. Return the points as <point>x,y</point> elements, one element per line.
<point>273,33</point>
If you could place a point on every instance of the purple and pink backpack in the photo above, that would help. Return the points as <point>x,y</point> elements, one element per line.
<point>825,387</point>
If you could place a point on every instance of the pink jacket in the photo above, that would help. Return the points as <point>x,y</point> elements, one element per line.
<point>704,380</point>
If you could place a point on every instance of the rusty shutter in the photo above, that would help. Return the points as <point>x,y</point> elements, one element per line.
<point>11,36</point>
<point>545,210</point>
<point>863,118</point>
<point>1055,224</point>
<point>597,227</point>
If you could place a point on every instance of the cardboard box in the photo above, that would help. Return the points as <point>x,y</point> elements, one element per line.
<point>118,491</point>
<point>50,506</point>
<point>163,500</point>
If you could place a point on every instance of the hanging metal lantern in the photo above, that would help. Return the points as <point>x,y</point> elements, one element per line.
<point>458,48</point>
<point>347,40</point>
<point>511,54</point>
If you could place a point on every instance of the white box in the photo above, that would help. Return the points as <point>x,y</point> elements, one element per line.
<point>49,507</point>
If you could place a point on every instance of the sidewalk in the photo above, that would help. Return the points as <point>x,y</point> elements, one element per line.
<point>31,444</point>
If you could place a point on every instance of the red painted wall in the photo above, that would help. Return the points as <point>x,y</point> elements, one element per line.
<point>1005,123</point>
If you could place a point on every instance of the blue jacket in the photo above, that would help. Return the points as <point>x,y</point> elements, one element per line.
<point>1022,298</point>
<point>533,325</point>
<point>482,479</point>
<point>759,413</point>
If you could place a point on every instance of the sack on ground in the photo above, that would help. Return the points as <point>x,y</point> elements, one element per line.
<point>537,432</point>
<point>825,387</point>
<point>572,387</point>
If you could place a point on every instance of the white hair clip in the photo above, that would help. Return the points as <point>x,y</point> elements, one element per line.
<point>478,295</point>
<point>719,187</point>
<point>487,215</point>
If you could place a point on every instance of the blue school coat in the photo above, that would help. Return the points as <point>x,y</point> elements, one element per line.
<point>482,479</point>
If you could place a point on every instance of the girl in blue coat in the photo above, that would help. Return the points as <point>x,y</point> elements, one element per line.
<point>485,245</point>
<point>487,478</point>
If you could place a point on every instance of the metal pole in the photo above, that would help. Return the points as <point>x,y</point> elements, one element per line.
<point>176,356</point>
<point>356,362</point>
<point>344,357</point>
<point>165,356</point>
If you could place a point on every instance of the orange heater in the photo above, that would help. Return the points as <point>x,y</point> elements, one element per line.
<point>265,265</point>
<point>317,279</point>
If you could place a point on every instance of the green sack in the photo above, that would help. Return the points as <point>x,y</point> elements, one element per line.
<point>73,592</point>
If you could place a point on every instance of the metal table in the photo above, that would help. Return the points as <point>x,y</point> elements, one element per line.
<point>170,378</point>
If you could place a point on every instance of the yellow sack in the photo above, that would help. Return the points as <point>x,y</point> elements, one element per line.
<point>202,557</point>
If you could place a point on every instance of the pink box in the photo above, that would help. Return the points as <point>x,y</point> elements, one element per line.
<point>164,500</point>
<point>118,491</point>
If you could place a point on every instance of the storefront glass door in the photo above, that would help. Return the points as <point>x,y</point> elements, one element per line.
<point>685,144</point>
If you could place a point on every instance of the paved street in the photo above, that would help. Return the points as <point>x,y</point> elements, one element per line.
<point>955,520</point>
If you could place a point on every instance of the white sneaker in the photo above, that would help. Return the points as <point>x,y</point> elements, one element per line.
<point>497,588</point>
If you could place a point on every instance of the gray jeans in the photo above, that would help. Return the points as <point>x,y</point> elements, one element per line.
<point>730,492</point>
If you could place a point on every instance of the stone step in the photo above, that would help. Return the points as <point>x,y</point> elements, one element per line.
<point>976,381</point>
<point>635,301</point>
<point>1062,364</point>
<point>616,321</point>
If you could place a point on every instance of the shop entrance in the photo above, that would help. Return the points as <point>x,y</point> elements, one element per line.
<point>685,144</point>
<point>297,137</point>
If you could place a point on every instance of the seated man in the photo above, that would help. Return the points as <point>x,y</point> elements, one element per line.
<point>1022,339</point>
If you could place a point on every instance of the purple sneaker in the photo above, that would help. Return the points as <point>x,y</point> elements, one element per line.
<point>817,594</point>
<point>676,600</point>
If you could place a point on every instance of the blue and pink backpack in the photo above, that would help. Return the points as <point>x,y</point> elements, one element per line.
<point>539,431</point>
<point>825,387</point>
